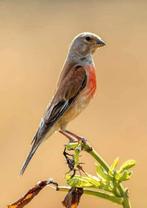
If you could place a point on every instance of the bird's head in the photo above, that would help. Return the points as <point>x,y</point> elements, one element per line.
<point>86,43</point>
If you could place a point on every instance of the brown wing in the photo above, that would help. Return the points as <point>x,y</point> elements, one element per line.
<point>68,90</point>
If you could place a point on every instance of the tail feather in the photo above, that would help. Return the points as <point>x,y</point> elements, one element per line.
<point>29,157</point>
<point>37,140</point>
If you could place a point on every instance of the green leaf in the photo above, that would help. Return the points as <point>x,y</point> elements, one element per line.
<point>83,181</point>
<point>114,164</point>
<point>106,185</point>
<point>126,175</point>
<point>101,172</point>
<point>127,165</point>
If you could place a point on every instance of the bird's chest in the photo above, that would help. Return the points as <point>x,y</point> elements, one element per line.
<point>91,81</point>
<point>90,88</point>
<point>88,92</point>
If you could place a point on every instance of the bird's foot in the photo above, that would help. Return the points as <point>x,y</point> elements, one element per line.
<point>83,140</point>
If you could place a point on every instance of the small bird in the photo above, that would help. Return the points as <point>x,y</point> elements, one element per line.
<point>75,88</point>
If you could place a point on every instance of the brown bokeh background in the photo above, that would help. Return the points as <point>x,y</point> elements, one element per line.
<point>34,39</point>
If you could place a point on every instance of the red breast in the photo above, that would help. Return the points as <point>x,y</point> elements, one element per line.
<point>91,82</point>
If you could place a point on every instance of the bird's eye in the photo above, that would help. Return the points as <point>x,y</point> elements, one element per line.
<point>88,38</point>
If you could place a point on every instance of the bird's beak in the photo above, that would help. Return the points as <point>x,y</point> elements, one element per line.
<point>100,42</point>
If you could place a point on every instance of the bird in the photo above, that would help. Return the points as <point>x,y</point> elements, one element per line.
<point>75,88</point>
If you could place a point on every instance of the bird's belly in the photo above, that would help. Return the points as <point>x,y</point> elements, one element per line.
<point>74,111</point>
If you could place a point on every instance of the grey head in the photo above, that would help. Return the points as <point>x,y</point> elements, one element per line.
<point>85,44</point>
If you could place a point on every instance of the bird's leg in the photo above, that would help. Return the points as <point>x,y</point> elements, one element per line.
<point>72,135</point>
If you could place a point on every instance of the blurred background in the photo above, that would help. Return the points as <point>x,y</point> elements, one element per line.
<point>34,39</point>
